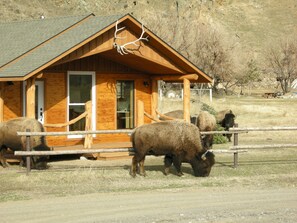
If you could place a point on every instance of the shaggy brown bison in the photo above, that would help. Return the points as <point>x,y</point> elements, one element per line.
<point>226,119</point>
<point>205,122</point>
<point>178,140</point>
<point>9,139</point>
<point>179,114</point>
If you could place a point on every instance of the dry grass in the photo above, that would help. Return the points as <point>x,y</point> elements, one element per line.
<point>259,168</point>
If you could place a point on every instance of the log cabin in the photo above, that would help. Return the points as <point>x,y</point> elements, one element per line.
<point>50,68</point>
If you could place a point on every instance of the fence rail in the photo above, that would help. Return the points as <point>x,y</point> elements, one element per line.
<point>127,131</point>
<point>235,149</point>
<point>71,152</point>
<point>265,146</point>
<point>251,129</point>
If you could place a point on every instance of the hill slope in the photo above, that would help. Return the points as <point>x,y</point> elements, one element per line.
<point>250,25</point>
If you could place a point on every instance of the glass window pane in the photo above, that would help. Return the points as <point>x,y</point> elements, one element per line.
<point>75,111</point>
<point>80,88</point>
<point>125,104</point>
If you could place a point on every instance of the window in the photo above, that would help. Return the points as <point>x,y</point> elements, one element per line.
<point>81,88</point>
<point>125,104</point>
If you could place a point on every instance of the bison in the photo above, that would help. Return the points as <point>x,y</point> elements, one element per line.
<point>179,141</point>
<point>178,114</point>
<point>10,139</point>
<point>205,122</point>
<point>226,119</point>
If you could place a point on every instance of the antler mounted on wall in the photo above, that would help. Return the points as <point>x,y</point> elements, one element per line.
<point>122,49</point>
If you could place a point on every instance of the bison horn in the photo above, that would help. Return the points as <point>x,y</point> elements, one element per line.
<point>203,156</point>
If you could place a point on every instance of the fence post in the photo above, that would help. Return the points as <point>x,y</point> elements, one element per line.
<point>28,158</point>
<point>235,143</point>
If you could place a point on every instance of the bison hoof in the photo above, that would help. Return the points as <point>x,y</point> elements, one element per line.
<point>142,174</point>
<point>180,174</point>
<point>133,174</point>
<point>4,164</point>
<point>166,171</point>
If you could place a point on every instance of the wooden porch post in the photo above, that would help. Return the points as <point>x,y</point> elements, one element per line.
<point>30,105</point>
<point>1,102</point>
<point>88,138</point>
<point>187,100</point>
<point>140,113</point>
<point>154,104</point>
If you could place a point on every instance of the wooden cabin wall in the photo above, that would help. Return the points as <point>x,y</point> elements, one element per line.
<point>55,105</point>
<point>13,101</point>
<point>107,73</point>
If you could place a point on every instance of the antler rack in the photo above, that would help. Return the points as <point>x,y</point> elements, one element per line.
<point>122,49</point>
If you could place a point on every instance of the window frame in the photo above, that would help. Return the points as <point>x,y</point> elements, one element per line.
<point>93,99</point>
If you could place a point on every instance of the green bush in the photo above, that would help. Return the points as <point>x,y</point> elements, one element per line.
<point>219,138</point>
<point>206,107</point>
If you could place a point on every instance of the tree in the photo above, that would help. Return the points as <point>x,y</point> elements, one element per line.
<point>200,43</point>
<point>282,63</point>
<point>213,56</point>
<point>250,75</point>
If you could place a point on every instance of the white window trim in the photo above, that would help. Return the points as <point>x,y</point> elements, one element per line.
<point>93,99</point>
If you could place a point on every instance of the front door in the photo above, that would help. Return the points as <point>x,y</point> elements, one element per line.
<point>125,104</point>
<point>39,100</point>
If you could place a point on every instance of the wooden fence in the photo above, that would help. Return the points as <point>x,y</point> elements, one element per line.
<point>235,149</point>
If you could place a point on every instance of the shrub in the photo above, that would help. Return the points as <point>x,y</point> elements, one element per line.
<point>219,138</point>
<point>206,107</point>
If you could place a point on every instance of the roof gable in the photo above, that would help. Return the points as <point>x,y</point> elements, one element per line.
<point>69,34</point>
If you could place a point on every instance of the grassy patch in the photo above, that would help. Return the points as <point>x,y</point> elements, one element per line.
<point>257,168</point>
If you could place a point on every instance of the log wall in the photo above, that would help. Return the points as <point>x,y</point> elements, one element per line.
<point>13,101</point>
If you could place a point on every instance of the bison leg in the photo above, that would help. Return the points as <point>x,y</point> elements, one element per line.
<point>3,161</point>
<point>133,167</point>
<point>3,151</point>
<point>167,163</point>
<point>229,137</point>
<point>141,168</point>
<point>177,164</point>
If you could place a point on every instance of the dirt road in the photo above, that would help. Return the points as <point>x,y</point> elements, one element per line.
<point>201,205</point>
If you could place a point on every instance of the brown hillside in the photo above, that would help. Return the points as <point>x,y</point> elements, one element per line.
<point>249,25</point>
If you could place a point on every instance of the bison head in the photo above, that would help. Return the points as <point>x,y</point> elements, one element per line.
<point>40,162</point>
<point>228,121</point>
<point>203,163</point>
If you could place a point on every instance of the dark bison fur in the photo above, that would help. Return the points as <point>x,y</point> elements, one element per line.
<point>179,141</point>
<point>226,119</point>
<point>10,139</point>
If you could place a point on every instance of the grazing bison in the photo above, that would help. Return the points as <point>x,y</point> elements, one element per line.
<point>178,140</point>
<point>226,119</point>
<point>9,139</point>
<point>204,121</point>
<point>178,114</point>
